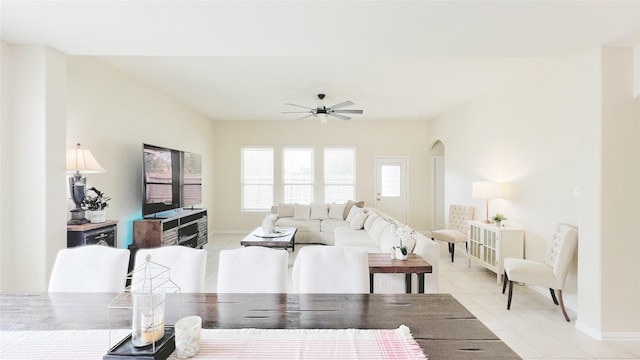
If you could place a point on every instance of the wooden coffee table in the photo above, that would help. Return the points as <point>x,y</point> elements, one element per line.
<point>285,240</point>
<point>382,263</point>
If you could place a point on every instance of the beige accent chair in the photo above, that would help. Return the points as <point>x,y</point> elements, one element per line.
<point>331,270</point>
<point>90,268</point>
<point>254,269</point>
<point>187,266</point>
<point>550,273</point>
<point>457,230</point>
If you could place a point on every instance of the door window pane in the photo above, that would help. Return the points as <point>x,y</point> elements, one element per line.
<point>390,180</point>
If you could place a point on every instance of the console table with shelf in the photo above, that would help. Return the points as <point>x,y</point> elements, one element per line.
<point>489,245</point>
<point>184,227</point>
<point>105,233</point>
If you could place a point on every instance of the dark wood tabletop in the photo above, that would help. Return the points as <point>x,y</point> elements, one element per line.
<point>440,324</point>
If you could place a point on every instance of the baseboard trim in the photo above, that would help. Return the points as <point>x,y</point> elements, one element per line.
<point>607,336</point>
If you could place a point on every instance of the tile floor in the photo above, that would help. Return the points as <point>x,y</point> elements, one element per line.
<point>534,327</point>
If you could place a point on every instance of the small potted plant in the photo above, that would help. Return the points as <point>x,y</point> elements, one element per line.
<point>401,252</point>
<point>498,218</point>
<point>96,202</point>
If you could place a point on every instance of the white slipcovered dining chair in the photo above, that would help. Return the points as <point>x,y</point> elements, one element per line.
<point>90,268</point>
<point>331,270</point>
<point>550,273</point>
<point>187,266</point>
<point>253,269</point>
<point>457,230</point>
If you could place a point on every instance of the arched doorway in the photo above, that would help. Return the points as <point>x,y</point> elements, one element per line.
<point>437,169</point>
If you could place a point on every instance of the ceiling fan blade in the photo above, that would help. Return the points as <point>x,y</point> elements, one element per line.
<point>295,112</point>
<point>348,111</point>
<point>304,117</point>
<point>339,116</point>
<point>306,107</point>
<point>342,104</point>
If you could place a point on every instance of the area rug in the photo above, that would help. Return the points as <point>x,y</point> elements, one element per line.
<point>226,344</point>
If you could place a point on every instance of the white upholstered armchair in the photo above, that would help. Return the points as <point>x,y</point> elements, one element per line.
<point>551,272</point>
<point>457,229</point>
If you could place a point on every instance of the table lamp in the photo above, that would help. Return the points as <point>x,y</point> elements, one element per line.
<point>80,161</point>
<point>487,190</point>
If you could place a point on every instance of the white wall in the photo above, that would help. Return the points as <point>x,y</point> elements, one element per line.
<point>379,138</point>
<point>570,124</point>
<point>33,128</point>
<point>525,133</point>
<point>621,191</point>
<point>50,102</point>
<point>113,114</point>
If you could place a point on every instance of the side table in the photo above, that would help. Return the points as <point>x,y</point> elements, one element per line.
<point>105,233</point>
<point>382,263</point>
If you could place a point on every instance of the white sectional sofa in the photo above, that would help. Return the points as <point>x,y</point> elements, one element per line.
<point>315,222</point>
<point>364,228</point>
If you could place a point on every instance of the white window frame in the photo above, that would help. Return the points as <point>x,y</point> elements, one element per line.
<point>243,183</point>
<point>312,176</point>
<point>327,184</point>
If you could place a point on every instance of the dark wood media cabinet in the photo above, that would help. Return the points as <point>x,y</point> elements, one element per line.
<point>182,227</point>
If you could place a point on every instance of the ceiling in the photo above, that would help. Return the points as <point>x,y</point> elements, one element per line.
<point>396,60</point>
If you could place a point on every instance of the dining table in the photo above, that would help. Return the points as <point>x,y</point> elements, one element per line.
<point>442,326</point>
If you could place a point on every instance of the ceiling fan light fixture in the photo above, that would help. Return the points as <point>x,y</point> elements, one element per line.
<point>325,111</point>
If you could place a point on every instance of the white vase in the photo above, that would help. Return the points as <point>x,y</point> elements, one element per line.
<point>399,254</point>
<point>98,216</point>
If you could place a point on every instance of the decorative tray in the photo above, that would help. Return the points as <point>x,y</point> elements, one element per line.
<point>279,233</point>
<point>126,350</point>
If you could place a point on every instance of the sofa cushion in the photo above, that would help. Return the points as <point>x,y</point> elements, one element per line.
<point>370,220</point>
<point>302,225</point>
<point>349,205</point>
<point>354,211</point>
<point>389,240</point>
<point>301,212</point>
<point>329,225</point>
<point>358,221</point>
<point>378,226</point>
<point>319,211</point>
<point>346,236</point>
<point>336,211</point>
<point>285,210</point>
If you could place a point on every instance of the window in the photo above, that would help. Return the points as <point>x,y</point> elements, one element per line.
<point>257,178</point>
<point>339,174</point>
<point>297,171</point>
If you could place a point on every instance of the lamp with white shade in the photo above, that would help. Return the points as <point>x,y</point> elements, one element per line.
<point>487,190</point>
<point>80,161</point>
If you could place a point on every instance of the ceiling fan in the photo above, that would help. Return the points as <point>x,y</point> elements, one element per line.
<point>325,111</point>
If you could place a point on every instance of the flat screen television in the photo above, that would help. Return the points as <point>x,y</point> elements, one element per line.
<point>172,179</point>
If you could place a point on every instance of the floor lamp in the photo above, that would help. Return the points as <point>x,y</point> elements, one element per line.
<point>80,161</point>
<point>487,190</point>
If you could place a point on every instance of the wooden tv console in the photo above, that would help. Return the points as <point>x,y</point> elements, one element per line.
<point>180,227</point>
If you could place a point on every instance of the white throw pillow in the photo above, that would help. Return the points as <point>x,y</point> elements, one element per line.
<point>369,222</point>
<point>319,211</point>
<point>358,221</point>
<point>354,211</point>
<point>285,210</point>
<point>336,211</point>
<point>301,212</point>
<point>349,204</point>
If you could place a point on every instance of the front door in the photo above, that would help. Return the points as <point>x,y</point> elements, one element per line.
<point>391,187</point>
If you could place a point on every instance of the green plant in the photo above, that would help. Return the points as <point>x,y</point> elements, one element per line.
<point>95,200</point>
<point>498,217</point>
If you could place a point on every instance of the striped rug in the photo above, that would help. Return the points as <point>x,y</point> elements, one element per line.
<point>225,344</point>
